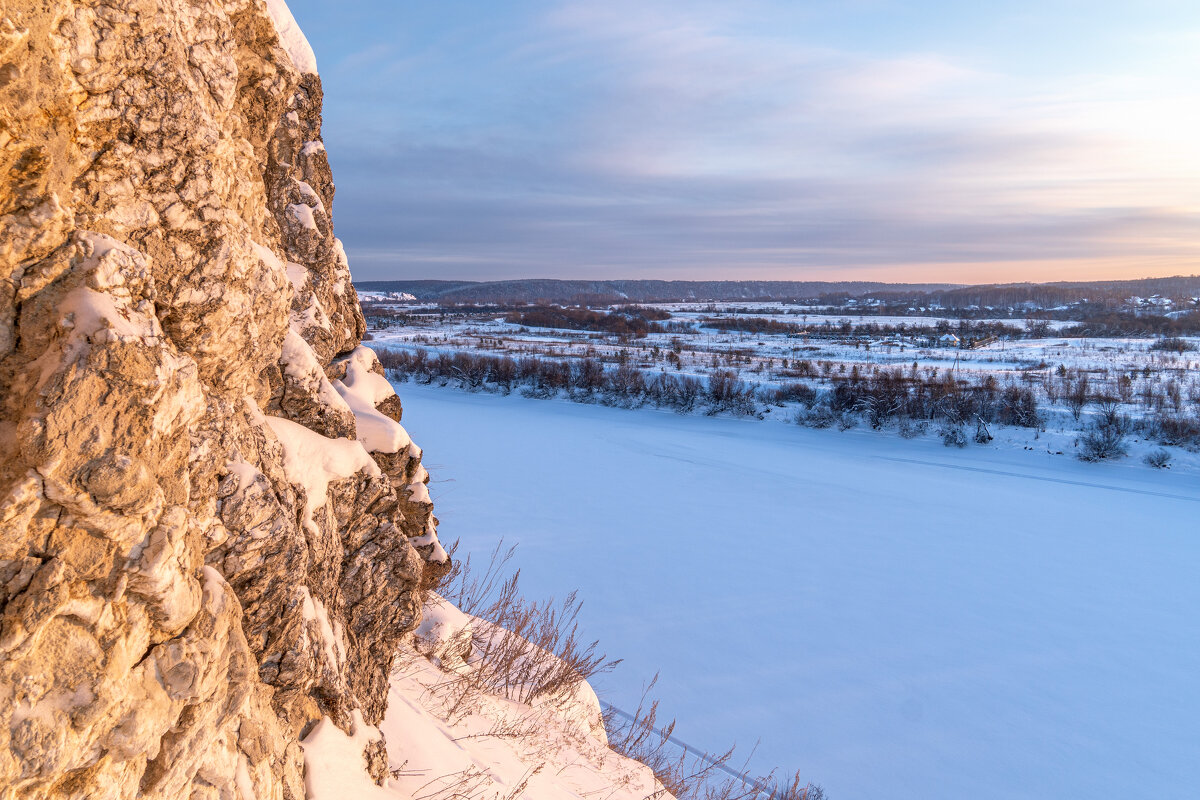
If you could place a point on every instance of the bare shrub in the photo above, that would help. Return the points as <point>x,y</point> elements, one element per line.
<point>1159,459</point>
<point>873,395</point>
<point>626,387</point>
<point>727,392</point>
<point>1076,393</point>
<point>589,378</point>
<point>817,416</point>
<point>1111,417</point>
<point>1173,344</point>
<point>471,782</point>
<point>1176,429</point>
<point>795,392</point>
<point>953,436</point>
<point>1106,438</point>
<point>1018,406</point>
<point>528,649</point>
<point>1100,443</point>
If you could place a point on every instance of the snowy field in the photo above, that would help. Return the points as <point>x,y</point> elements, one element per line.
<point>895,618</point>
<point>820,316</point>
<point>493,336</point>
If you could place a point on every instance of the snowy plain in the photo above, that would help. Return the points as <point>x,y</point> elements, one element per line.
<point>893,618</point>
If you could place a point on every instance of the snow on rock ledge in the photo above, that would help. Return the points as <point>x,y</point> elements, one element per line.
<point>312,462</point>
<point>363,389</point>
<point>291,37</point>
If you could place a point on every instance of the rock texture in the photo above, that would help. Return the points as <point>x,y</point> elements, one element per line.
<point>213,529</point>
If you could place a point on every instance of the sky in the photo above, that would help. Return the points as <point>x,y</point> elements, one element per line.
<point>910,140</point>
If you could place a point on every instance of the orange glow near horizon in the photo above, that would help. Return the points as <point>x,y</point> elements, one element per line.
<point>994,272</point>
<point>1078,270</point>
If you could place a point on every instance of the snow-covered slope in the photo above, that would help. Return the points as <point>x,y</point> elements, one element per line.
<point>447,738</point>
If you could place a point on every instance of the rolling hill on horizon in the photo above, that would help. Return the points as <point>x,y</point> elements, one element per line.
<point>647,291</point>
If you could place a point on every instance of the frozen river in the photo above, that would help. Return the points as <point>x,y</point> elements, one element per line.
<point>893,618</point>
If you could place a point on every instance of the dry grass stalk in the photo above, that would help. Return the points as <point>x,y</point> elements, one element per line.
<point>686,775</point>
<point>529,650</point>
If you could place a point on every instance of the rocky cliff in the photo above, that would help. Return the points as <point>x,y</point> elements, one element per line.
<point>213,528</point>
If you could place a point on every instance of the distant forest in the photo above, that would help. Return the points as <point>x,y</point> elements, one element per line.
<point>889,296</point>
<point>628,291</point>
<point>624,321</point>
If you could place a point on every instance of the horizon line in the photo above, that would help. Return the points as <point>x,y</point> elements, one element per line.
<point>954,284</point>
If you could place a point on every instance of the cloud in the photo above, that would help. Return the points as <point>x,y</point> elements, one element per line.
<point>654,138</point>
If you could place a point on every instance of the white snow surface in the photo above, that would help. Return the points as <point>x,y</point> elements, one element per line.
<point>362,380</point>
<point>893,618</point>
<point>334,764</point>
<point>418,492</point>
<point>313,314</point>
<point>310,194</point>
<point>304,215</point>
<point>312,461</point>
<point>332,643</point>
<point>362,390</point>
<point>245,471</point>
<point>488,747</point>
<point>267,255</point>
<point>298,275</point>
<point>88,312</point>
<point>301,363</point>
<point>430,537</point>
<point>291,37</point>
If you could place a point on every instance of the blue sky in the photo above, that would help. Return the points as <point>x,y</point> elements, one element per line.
<point>863,139</point>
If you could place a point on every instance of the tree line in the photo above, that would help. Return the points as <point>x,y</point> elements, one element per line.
<point>635,321</point>
<point>875,397</point>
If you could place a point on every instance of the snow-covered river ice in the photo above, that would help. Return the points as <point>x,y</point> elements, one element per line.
<point>893,618</point>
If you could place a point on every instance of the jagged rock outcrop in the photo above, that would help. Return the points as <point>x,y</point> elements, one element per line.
<point>213,529</point>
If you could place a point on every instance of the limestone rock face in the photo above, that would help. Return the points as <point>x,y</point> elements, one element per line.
<point>213,529</point>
